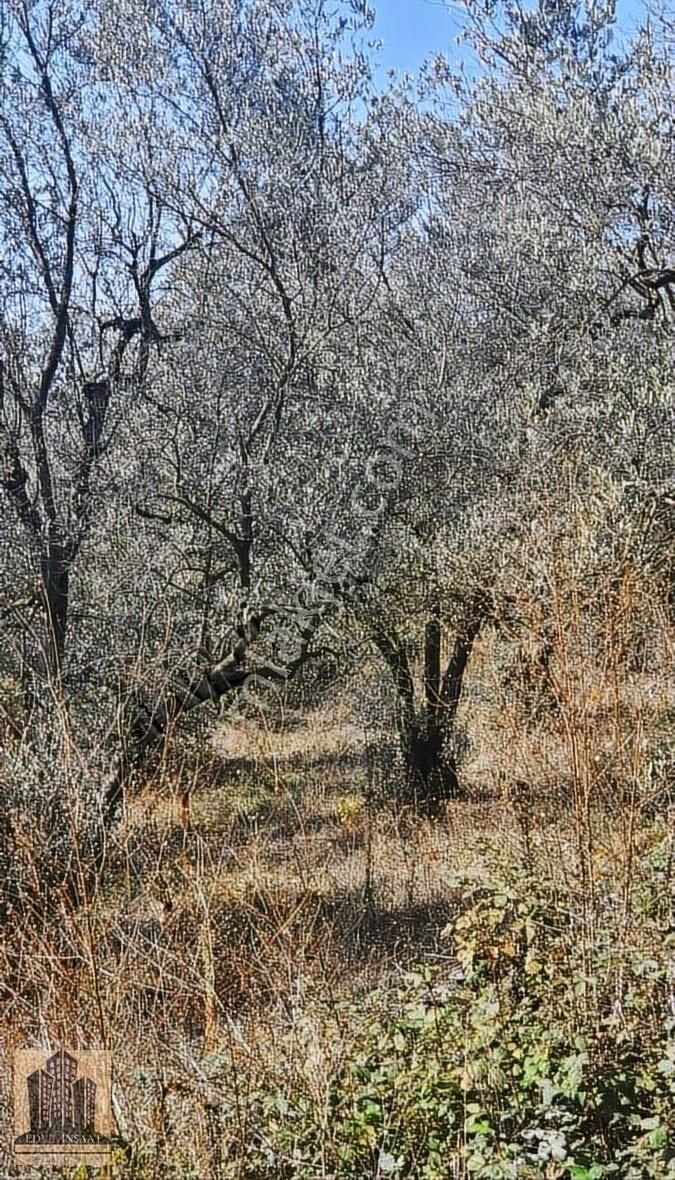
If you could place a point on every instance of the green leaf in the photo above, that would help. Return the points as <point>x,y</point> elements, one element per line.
<point>478,1127</point>
<point>658,1138</point>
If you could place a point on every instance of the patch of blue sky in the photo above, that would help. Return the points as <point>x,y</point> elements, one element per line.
<point>412,30</point>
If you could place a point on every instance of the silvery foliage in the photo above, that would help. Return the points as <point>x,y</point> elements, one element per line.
<point>231,130</point>
<point>543,379</point>
<point>262,411</point>
<point>340,272</point>
<point>568,149</point>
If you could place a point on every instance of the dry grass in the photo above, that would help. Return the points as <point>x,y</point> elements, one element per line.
<point>256,888</point>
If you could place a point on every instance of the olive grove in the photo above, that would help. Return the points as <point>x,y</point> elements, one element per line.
<point>285,360</point>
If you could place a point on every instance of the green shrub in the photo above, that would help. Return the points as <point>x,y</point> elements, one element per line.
<point>501,1069</point>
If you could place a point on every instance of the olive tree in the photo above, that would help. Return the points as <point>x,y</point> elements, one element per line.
<point>79,265</point>
<point>206,280</point>
<point>537,291</point>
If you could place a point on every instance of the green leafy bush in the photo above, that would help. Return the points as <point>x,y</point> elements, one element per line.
<point>514,1064</point>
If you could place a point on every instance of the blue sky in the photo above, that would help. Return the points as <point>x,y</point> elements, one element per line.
<point>411,29</point>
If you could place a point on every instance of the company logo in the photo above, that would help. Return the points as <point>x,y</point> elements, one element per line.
<point>62,1107</point>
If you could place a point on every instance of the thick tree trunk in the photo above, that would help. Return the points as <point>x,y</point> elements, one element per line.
<point>427,735</point>
<point>430,764</point>
<point>431,771</point>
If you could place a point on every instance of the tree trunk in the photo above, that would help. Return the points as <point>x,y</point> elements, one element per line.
<point>427,736</point>
<point>431,771</point>
<point>430,764</point>
<point>56,582</point>
<point>147,726</point>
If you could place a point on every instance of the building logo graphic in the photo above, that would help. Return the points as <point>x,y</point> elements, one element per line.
<point>62,1107</point>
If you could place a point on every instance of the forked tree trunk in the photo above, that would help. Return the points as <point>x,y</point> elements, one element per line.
<point>427,735</point>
